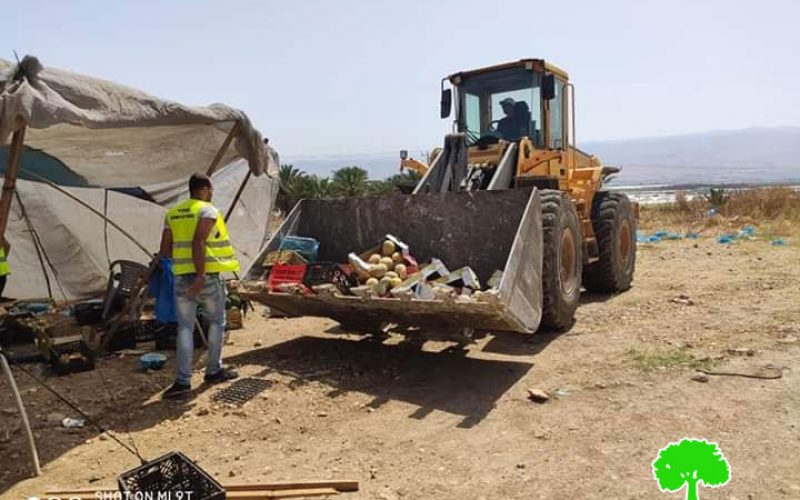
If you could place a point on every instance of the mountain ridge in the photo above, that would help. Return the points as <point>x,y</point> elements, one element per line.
<point>750,155</point>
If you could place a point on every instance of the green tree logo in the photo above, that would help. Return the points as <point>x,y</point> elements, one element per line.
<point>690,463</point>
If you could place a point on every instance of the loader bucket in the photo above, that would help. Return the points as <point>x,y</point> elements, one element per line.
<point>486,230</point>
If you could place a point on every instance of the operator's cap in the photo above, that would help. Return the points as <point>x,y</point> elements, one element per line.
<point>508,102</point>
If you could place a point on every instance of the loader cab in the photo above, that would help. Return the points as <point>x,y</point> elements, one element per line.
<point>510,102</point>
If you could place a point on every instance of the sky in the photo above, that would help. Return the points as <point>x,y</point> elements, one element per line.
<point>346,77</point>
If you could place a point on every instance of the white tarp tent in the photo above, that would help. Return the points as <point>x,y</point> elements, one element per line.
<point>115,136</point>
<point>62,249</point>
<point>100,137</point>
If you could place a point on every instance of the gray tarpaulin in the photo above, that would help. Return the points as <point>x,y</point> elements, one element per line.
<point>76,246</point>
<point>112,135</point>
<point>91,134</point>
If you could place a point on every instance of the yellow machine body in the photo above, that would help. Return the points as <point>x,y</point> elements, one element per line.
<point>556,163</point>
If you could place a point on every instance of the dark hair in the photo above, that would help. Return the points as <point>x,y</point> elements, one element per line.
<point>198,182</point>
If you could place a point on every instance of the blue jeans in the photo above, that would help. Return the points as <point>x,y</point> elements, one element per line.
<point>212,296</point>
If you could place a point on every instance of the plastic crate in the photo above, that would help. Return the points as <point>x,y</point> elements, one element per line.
<point>320,273</point>
<point>167,336</point>
<point>171,473</point>
<point>143,330</point>
<point>123,339</point>
<point>307,247</point>
<point>89,312</point>
<point>282,274</point>
<point>71,357</point>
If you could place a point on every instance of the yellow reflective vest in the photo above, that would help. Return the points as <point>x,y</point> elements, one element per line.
<point>4,267</point>
<point>182,221</point>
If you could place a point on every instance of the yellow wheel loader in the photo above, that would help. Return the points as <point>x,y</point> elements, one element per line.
<point>508,192</point>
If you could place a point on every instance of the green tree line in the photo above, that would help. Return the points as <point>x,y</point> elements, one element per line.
<point>346,182</point>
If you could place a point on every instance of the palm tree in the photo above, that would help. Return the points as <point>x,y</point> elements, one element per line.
<point>291,180</point>
<point>381,187</point>
<point>406,181</point>
<point>351,181</point>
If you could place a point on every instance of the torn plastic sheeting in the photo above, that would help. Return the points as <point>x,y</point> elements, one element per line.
<point>657,236</point>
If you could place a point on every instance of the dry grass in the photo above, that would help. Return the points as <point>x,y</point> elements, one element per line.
<point>775,208</point>
<point>660,359</point>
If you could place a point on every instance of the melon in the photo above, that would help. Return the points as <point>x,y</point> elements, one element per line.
<point>389,248</point>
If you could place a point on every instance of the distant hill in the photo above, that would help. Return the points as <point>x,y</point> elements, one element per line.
<point>755,155</point>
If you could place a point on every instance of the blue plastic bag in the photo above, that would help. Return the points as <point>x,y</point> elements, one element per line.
<point>747,231</point>
<point>162,287</point>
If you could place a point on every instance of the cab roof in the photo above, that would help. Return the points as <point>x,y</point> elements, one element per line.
<point>539,65</point>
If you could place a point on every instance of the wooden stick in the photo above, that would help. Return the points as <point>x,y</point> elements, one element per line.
<point>10,180</point>
<point>269,494</point>
<point>238,195</point>
<point>338,485</point>
<point>223,149</point>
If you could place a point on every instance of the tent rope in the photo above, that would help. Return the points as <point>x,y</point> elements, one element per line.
<point>41,252</point>
<point>75,407</point>
<point>90,208</point>
<point>32,231</point>
<point>105,225</point>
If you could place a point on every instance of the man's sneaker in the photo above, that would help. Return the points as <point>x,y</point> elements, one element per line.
<point>223,375</point>
<point>176,390</point>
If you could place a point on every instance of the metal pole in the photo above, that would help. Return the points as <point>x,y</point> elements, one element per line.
<point>23,415</point>
<point>222,149</point>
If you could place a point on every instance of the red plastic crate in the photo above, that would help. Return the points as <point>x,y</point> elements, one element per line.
<point>283,273</point>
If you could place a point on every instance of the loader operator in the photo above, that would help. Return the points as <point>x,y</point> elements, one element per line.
<point>513,126</point>
<point>196,238</point>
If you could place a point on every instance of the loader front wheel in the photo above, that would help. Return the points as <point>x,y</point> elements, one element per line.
<point>562,262</point>
<point>615,229</point>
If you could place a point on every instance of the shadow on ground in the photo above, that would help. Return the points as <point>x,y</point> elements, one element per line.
<point>448,381</point>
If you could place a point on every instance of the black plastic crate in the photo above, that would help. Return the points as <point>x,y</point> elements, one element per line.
<point>173,472</point>
<point>167,336</point>
<point>123,339</point>
<point>88,313</point>
<point>15,330</point>
<point>71,357</point>
<point>320,273</point>
<point>143,330</point>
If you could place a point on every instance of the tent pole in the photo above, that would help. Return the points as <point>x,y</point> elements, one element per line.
<point>10,180</point>
<point>223,149</point>
<point>90,208</point>
<point>238,195</point>
<point>22,414</point>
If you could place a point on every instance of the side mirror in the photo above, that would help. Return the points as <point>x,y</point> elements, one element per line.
<point>548,86</point>
<point>403,154</point>
<point>445,103</point>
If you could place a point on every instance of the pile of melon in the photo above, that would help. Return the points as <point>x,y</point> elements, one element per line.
<point>385,270</point>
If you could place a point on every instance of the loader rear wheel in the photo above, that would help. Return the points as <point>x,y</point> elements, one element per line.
<point>615,229</point>
<point>562,261</point>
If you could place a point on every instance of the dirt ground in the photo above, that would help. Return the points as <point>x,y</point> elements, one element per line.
<point>418,420</point>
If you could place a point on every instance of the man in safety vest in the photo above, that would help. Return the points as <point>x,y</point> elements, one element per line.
<point>5,269</point>
<point>196,238</point>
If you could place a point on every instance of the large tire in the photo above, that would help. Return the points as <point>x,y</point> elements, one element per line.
<point>562,261</point>
<point>615,229</point>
